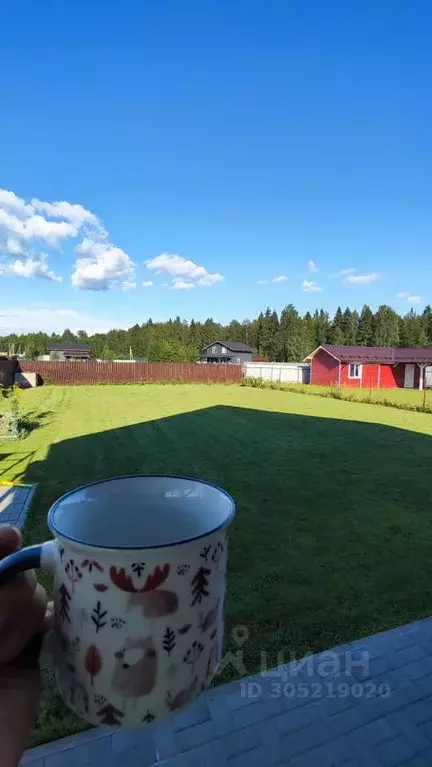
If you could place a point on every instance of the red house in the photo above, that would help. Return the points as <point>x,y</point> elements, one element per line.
<point>369,366</point>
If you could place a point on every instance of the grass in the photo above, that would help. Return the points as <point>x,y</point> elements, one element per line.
<point>408,396</point>
<point>332,538</point>
<point>4,426</point>
<point>403,399</point>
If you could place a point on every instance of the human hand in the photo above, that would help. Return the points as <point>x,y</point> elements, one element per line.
<point>24,613</point>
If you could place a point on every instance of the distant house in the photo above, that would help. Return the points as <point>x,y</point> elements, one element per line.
<point>227,352</point>
<point>370,366</point>
<point>67,350</point>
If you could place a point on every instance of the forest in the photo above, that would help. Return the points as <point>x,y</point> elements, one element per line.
<point>284,337</point>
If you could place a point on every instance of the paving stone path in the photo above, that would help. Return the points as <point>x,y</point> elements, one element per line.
<point>14,502</point>
<point>364,704</point>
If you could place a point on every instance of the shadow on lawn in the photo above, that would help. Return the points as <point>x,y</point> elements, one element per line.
<point>9,461</point>
<point>332,539</point>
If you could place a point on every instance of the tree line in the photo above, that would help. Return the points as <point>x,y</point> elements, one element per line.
<point>284,337</point>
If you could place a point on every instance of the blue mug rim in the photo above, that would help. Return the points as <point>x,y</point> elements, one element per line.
<point>58,533</point>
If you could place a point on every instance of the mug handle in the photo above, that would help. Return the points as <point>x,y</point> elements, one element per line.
<point>42,556</point>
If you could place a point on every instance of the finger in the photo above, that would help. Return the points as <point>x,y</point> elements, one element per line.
<point>23,621</point>
<point>10,540</point>
<point>49,623</point>
<point>22,611</point>
<point>17,594</point>
<point>19,692</point>
<point>17,636</point>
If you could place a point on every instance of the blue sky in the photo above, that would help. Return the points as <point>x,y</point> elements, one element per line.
<point>247,139</point>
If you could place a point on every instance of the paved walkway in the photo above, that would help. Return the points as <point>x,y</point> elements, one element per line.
<point>364,704</point>
<point>14,502</point>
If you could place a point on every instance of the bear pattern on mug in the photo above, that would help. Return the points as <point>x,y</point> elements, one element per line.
<point>139,634</point>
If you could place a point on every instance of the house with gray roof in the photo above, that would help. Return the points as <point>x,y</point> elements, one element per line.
<point>227,353</point>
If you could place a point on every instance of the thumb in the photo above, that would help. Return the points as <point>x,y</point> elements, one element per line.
<point>10,540</point>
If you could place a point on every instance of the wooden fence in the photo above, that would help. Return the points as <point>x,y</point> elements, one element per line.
<point>134,372</point>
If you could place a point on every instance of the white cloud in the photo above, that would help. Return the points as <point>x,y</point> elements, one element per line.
<point>25,225</point>
<point>178,284</point>
<point>309,286</point>
<point>176,266</point>
<point>183,270</point>
<point>279,278</point>
<point>11,201</point>
<point>32,267</point>
<point>411,299</point>
<point>74,213</point>
<point>312,267</point>
<point>36,227</point>
<point>147,284</point>
<point>362,279</point>
<point>23,221</point>
<point>342,273</point>
<point>210,279</point>
<point>13,246</point>
<point>50,320</point>
<point>101,266</point>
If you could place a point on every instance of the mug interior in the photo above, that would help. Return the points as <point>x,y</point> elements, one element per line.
<point>139,512</point>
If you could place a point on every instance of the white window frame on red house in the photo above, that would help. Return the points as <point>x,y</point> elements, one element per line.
<point>357,375</point>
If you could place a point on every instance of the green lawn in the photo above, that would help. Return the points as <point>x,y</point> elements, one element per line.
<point>410,396</point>
<point>333,536</point>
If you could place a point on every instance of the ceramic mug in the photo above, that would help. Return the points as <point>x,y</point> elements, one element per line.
<point>139,567</point>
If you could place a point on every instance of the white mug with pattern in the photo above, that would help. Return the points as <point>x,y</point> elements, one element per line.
<point>139,567</point>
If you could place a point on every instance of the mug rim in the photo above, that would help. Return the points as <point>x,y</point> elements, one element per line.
<point>59,534</point>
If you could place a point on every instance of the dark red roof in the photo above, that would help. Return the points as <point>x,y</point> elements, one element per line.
<point>383,354</point>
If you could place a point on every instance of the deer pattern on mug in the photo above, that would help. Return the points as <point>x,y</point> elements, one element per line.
<point>145,628</point>
<point>153,601</point>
